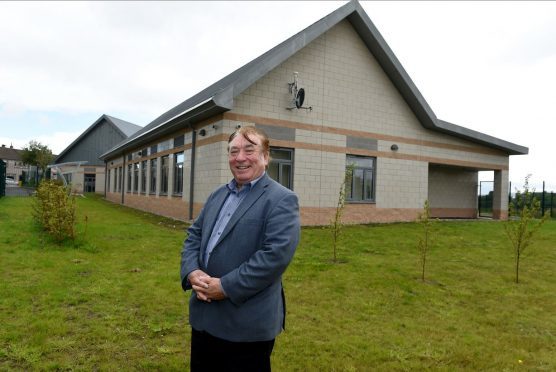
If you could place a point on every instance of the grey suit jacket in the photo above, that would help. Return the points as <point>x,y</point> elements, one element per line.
<point>250,256</point>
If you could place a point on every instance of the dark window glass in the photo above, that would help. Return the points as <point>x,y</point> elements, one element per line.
<point>135,177</point>
<point>178,173</point>
<point>143,176</point>
<point>129,170</point>
<point>108,180</point>
<point>361,181</point>
<point>164,174</point>
<point>178,141</point>
<point>154,149</point>
<point>280,168</point>
<point>153,176</point>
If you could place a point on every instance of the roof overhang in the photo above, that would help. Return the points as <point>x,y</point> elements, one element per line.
<point>217,104</point>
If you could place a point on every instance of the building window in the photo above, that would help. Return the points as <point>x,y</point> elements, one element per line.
<point>135,177</point>
<point>280,168</point>
<point>143,176</point>
<point>67,176</point>
<point>119,184</point>
<point>164,174</point>
<point>108,180</point>
<point>178,173</point>
<point>361,183</point>
<point>129,169</point>
<point>153,176</point>
<point>178,141</point>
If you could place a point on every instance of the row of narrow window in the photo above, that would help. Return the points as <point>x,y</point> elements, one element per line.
<point>360,185</point>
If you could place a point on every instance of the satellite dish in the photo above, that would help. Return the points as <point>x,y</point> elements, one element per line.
<point>299,98</point>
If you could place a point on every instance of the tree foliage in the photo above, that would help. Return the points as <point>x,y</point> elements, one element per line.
<point>522,224</point>
<point>37,154</point>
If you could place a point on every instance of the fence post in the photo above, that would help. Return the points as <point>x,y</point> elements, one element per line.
<point>551,203</point>
<point>509,198</point>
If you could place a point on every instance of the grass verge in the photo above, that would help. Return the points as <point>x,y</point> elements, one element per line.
<point>113,299</point>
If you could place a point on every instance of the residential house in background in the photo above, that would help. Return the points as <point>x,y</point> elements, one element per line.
<point>79,163</point>
<point>15,169</point>
<point>331,96</point>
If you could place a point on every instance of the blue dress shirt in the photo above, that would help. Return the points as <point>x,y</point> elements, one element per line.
<point>234,199</point>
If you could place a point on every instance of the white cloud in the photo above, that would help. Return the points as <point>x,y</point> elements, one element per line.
<point>484,65</point>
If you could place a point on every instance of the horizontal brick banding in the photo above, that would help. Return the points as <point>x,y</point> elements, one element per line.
<point>350,132</point>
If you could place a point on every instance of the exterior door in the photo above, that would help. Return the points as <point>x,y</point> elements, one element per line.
<point>89,182</point>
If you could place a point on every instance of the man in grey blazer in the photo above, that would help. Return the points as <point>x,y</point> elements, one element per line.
<point>233,259</point>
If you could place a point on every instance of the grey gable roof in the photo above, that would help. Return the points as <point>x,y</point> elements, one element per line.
<point>219,97</point>
<point>123,127</point>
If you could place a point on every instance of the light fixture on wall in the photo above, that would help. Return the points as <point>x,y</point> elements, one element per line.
<point>202,132</point>
<point>394,147</point>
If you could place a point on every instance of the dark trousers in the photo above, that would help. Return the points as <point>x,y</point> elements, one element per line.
<point>209,353</point>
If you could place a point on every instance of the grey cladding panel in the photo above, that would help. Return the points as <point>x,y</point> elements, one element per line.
<point>279,133</point>
<point>89,148</point>
<point>362,143</point>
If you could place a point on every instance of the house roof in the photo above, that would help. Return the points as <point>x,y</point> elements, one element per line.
<point>124,128</point>
<point>9,153</point>
<point>219,96</point>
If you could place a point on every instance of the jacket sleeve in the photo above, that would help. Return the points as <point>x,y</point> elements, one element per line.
<point>191,250</point>
<point>268,263</point>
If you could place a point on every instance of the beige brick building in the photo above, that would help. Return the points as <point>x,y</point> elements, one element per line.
<point>360,107</point>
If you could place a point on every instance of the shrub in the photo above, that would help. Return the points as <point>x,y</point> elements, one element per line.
<point>54,210</point>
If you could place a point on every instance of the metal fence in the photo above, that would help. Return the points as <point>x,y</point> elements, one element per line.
<point>546,198</point>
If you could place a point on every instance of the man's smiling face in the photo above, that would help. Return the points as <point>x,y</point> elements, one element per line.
<point>247,161</point>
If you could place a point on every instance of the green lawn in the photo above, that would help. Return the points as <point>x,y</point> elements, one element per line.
<point>115,301</point>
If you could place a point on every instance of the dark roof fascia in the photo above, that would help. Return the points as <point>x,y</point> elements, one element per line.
<point>221,102</point>
<point>478,137</point>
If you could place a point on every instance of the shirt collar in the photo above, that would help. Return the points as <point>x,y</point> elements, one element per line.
<point>232,185</point>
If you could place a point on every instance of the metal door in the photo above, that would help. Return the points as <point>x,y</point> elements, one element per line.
<point>89,182</point>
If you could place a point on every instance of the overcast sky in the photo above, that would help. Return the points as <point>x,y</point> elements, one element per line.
<point>488,66</point>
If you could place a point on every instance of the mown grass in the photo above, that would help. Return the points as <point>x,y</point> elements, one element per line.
<point>113,300</point>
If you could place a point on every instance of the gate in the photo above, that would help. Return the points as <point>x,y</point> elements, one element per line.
<point>2,178</point>
<point>486,190</point>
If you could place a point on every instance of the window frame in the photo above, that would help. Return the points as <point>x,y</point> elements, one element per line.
<point>143,167</point>
<point>164,174</point>
<point>282,162</point>
<point>351,184</point>
<point>136,177</point>
<point>129,170</point>
<point>178,174</point>
<point>153,164</point>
